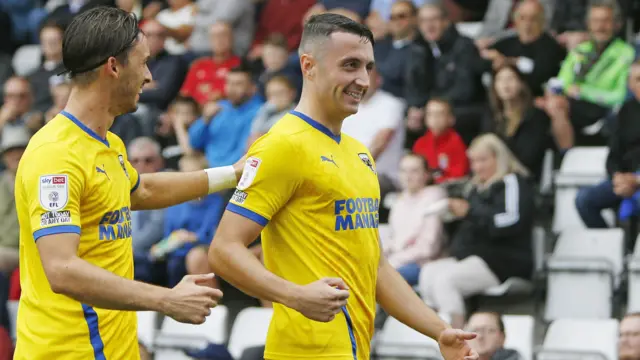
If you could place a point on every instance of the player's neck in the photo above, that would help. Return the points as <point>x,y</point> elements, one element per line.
<point>91,109</point>
<point>319,114</point>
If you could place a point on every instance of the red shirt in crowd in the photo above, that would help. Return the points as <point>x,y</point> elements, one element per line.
<point>284,17</point>
<point>446,154</point>
<point>206,78</point>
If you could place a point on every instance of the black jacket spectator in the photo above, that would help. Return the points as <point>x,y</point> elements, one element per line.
<point>624,143</point>
<point>391,59</point>
<point>498,228</point>
<point>529,141</point>
<point>545,53</point>
<point>168,72</point>
<point>447,69</point>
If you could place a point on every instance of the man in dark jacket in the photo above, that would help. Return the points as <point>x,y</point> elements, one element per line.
<point>491,337</point>
<point>623,162</point>
<point>444,64</point>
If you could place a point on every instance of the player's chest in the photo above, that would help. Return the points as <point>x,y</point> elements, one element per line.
<point>340,173</point>
<point>108,180</point>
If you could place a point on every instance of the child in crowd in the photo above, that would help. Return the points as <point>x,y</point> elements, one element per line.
<point>441,145</point>
<point>281,95</point>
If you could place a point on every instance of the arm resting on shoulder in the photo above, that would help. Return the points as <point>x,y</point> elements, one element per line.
<point>163,189</point>
<point>80,280</point>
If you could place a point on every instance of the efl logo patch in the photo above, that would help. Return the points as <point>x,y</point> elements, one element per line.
<point>239,197</point>
<point>55,218</point>
<point>251,167</point>
<point>54,192</point>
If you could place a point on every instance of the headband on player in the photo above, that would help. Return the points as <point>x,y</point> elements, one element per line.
<point>128,44</point>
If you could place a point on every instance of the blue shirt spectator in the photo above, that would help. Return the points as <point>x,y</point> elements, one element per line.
<point>200,217</point>
<point>222,132</point>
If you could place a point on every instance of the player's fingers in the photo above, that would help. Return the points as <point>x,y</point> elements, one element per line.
<point>200,278</point>
<point>464,335</point>
<point>340,294</point>
<point>212,293</point>
<point>336,282</point>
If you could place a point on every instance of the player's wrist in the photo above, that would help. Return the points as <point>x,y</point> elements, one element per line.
<point>221,178</point>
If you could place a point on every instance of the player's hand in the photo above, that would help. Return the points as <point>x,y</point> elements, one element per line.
<point>322,300</point>
<point>453,345</point>
<point>190,301</point>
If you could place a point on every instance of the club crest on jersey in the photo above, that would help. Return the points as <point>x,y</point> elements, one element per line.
<point>367,161</point>
<point>121,158</point>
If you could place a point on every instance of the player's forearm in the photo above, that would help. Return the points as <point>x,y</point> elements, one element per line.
<point>399,300</point>
<point>95,286</point>
<point>239,266</point>
<point>164,189</point>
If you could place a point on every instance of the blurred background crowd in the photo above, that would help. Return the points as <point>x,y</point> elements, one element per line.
<point>473,105</point>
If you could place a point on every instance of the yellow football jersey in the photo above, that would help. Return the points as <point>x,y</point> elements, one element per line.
<point>317,194</point>
<point>70,180</point>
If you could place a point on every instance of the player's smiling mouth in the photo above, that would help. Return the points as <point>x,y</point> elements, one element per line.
<point>356,95</point>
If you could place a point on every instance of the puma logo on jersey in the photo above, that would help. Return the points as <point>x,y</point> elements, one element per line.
<point>101,171</point>
<point>324,158</point>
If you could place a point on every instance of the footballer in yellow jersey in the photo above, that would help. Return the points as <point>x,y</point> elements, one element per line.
<point>314,195</point>
<point>75,190</point>
<point>71,180</point>
<point>317,195</point>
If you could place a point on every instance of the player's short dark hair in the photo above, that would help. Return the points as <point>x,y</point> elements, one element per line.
<point>94,36</point>
<point>322,26</point>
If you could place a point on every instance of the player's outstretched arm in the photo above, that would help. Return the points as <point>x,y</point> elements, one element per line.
<point>164,189</point>
<point>400,301</point>
<point>80,280</point>
<point>230,258</point>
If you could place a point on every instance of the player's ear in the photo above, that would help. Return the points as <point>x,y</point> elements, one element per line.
<point>111,67</point>
<point>308,65</point>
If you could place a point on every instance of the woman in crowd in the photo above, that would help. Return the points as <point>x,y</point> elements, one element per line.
<point>416,237</point>
<point>513,117</point>
<point>493,240</point>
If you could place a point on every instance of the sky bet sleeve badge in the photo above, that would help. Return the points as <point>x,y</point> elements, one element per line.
<point>367,161</point>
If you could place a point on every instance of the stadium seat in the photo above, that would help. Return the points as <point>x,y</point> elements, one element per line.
<point>583,271</point>
<point>519,330</point>
<point>546,178</point>
<point>574,173</point>
<point>576,339</point>
<point>469,29</point>
<point>249,330</point>
<point>396,340</point>
<point>175,336</point>
<point>147,328</point>
<point>12,309</point>
<point>26,59</point>
<point>633,293</point>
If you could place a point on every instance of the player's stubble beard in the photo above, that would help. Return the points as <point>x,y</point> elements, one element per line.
<point>126,94</point>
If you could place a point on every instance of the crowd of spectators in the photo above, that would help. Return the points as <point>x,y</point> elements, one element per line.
<point>442,109</point>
